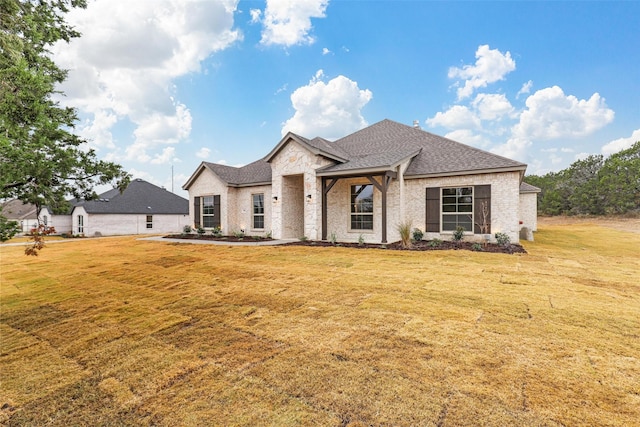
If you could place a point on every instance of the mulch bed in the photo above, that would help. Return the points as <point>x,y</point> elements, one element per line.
<point>423,245</point>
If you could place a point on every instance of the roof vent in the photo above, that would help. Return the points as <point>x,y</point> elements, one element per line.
<point>416,124</point>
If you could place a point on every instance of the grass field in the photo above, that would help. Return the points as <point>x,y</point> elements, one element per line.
<point>117,331</point>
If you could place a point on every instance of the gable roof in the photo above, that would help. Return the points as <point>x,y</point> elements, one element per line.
<point>376,148</point>
<point>434,155</point>
<point>140,197</point>
<point>318,146</point>
<point>258,172</point>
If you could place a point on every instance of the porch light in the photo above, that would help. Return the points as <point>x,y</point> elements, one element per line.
<point>275,198</point>
<point>308,197</point>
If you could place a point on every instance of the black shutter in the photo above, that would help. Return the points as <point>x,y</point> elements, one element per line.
<point>216,211</point>
<point>433,210</point>
<point>196,211</point>
<point>481,196</point>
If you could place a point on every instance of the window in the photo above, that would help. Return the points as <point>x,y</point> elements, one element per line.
<point>258,210</point>
<point>80,224</point>
<point>149,221</point>
<point>457,208</point>
<point>208,217</point>
<point>362,207</point>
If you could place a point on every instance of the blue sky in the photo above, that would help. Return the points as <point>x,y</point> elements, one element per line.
<point>166,84</point>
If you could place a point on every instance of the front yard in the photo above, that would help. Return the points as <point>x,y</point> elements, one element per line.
<point>119,331</point>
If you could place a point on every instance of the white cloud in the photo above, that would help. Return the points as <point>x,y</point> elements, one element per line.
<point>326,51</point>
<point>468,137</point>
<point>551,114</point>
<point>526,88</point>
<point>621,143</point>
<point>492,106</point>
<point>256,14</point>
<point>167,156</point>
<point>456,117</point>
<point>330,110</point>
<point>288,22</point>
<point>123,66</point>
<point>515,148</point>
<point>491,65</point>
<point>203,153</point>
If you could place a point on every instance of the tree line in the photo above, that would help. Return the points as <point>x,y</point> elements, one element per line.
<point>592,186</point>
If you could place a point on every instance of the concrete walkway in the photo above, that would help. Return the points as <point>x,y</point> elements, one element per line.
<point>248,242</point>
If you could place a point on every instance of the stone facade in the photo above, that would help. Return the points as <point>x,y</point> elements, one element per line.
<point>294,213</point>
<point>293,200</point>
<point>528,211</point>
<point>505,191</point>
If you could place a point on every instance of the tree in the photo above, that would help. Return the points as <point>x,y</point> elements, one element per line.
<point>619,181</point>
<point>41,160</point>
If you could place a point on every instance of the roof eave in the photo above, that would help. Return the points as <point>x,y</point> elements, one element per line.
<point>520,169</point>
<point>312,149</point>
<point>249,184</point>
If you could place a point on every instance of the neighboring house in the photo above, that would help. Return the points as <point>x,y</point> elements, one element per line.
<point>23,213</point>
<point>142,208</point>
<point>363,186</point>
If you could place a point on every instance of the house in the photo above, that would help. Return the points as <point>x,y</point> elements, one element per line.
<point>142,208</point>
<point>363,186</point>
<point>22,213</point>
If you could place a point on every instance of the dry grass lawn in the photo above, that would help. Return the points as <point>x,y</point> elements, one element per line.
<point>117,331</point>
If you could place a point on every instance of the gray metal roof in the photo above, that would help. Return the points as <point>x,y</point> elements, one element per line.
<point>140,197</point>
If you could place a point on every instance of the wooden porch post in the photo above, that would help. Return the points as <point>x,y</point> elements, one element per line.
<point>325,189</point>
<point>386,179</point>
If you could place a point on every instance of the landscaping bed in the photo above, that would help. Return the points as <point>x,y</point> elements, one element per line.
<point>422,245</point>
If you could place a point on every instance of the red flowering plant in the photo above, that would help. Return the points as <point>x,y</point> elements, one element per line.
<point>37,235</point>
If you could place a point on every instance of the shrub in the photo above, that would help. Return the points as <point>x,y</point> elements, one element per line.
<point>361,240</point>
<point>502,239</point>
<point>417,234</point>
<point>477,247</point>
<point>187,229</point>
<point>404,229</point>
<point>200,231</point>
<point>268,235</point>
<point>458,234</point>
<point>333,239</point>
<point>239,234</point>
<point>435,243</point>
<point>304,238</point>
<point>216,232</point>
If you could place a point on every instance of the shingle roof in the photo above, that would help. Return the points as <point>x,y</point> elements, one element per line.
<point>381,146</point>
<point>16,209</point>
<point>140,197</point>
<point>253,173</point>
<point>436,155</point>
<point>528,188</point>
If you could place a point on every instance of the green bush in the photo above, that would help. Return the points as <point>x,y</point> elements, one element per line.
<point>458,234</point>
<point>435,243</point>
<point>417,234</point>
<point>502,239</point>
